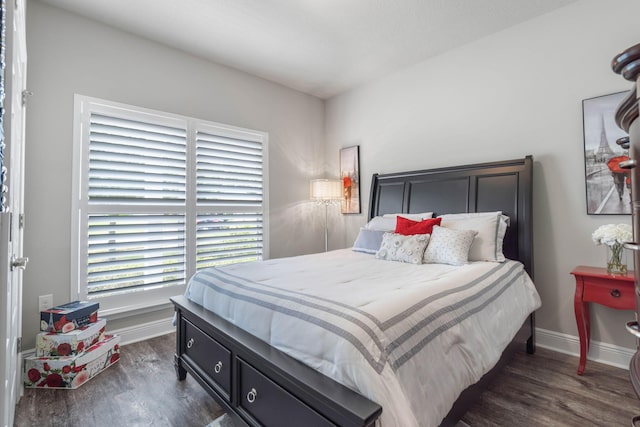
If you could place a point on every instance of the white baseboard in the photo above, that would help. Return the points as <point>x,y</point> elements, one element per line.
<point>598,351</point>
<point>144,331</point>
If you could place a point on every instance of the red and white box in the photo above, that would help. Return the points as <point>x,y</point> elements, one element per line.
<point>71,343</point>
<point>67,317</point>
<point>70,372</point>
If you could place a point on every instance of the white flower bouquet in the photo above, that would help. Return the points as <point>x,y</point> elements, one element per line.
<point>614,236</point>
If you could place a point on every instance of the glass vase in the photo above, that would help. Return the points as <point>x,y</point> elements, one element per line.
<point>616,259</point>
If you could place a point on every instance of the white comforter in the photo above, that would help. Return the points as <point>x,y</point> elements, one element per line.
<point>409,337</point>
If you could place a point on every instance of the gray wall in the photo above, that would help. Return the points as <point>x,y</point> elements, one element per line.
<point>69,54</point>
<point>514,93</point>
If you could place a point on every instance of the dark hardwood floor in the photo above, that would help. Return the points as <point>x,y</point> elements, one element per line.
<point>544,390</point>
<point>142,390</point>
<point>139,390</point>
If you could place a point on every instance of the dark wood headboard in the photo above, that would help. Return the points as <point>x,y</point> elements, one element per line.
<point>498,186</point>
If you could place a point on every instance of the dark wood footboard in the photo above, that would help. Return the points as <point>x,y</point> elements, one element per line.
<point>257,384</point>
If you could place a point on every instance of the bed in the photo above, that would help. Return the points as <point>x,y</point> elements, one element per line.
<point>279,343</point>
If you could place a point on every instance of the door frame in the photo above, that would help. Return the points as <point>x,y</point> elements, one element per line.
<point>12,262</point>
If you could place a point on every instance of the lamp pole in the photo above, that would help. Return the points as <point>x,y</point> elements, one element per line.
<point>326,192</point>
<point>326,228</point>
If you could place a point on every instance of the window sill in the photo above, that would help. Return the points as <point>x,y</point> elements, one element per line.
<point>123,305</point>
<point>134,310</point>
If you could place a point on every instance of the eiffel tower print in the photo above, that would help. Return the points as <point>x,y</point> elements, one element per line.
<point>604,151</point>
<point>607,187</point>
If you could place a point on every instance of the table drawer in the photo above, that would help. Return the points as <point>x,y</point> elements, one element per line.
<point>263,400</point>
<point>610,293</point>
<point>209,355</point>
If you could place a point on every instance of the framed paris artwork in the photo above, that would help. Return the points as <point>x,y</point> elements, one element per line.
<point>607,185</point>
<point>350,175</point>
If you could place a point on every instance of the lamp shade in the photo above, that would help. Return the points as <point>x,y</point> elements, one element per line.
<point>325,190</point>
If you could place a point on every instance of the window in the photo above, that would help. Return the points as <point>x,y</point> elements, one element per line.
<point>158,196</point>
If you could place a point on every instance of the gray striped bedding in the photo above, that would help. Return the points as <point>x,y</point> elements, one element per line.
<point>410,337</point>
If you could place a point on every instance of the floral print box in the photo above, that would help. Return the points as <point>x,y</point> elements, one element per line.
<point>71,343</point>
<point>71,372</point>
<point>67,317</point>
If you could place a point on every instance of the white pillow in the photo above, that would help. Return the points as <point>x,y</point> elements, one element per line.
<point>491,228</point>
<point>449,246</point>
<point>414,217</point>
<point>503,217</point>
<point>381,224</point>
<point>368,241</point>
<point>398,247</point>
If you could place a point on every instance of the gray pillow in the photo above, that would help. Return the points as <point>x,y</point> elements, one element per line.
<point>368,241</point>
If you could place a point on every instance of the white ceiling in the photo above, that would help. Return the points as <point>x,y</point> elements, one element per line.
<point>321,47</point>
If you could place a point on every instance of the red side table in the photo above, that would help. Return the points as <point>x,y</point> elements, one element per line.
<point>594,284</point>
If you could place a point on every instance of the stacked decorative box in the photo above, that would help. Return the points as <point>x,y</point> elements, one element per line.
<point>72,349</point>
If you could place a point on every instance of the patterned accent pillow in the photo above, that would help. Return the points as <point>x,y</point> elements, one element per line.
<point>449,246</point>
<point>397,247</point>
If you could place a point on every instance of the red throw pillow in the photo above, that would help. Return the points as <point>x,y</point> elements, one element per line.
<point>408,227</point>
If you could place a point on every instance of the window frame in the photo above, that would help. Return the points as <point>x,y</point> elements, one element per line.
<point>127,303</point>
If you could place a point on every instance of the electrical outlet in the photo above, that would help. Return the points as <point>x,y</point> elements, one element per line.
<point>45,302</point>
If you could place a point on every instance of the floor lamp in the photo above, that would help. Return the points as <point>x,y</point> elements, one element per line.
<point>326,192</point>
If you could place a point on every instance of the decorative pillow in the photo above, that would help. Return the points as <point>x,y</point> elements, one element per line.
<point>368,241</point>
<point>449,246</point>
<point>415,217</point>
<point>408,227</point>
<point>491,228</point>
<point>381,224</point>
<point>397,247</point>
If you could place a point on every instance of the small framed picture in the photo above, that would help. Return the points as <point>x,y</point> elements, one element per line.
<point>607,185</point>
<point>350,175</point>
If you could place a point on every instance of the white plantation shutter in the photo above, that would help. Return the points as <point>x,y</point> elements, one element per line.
<point>138,167</point>
<point>229,192</point>
<point>157,197</point>
<point>135,162</point>
<point>229,171</point>
<point>134,251</point>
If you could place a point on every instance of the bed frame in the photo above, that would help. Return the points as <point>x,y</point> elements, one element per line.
<point>259,385</point>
